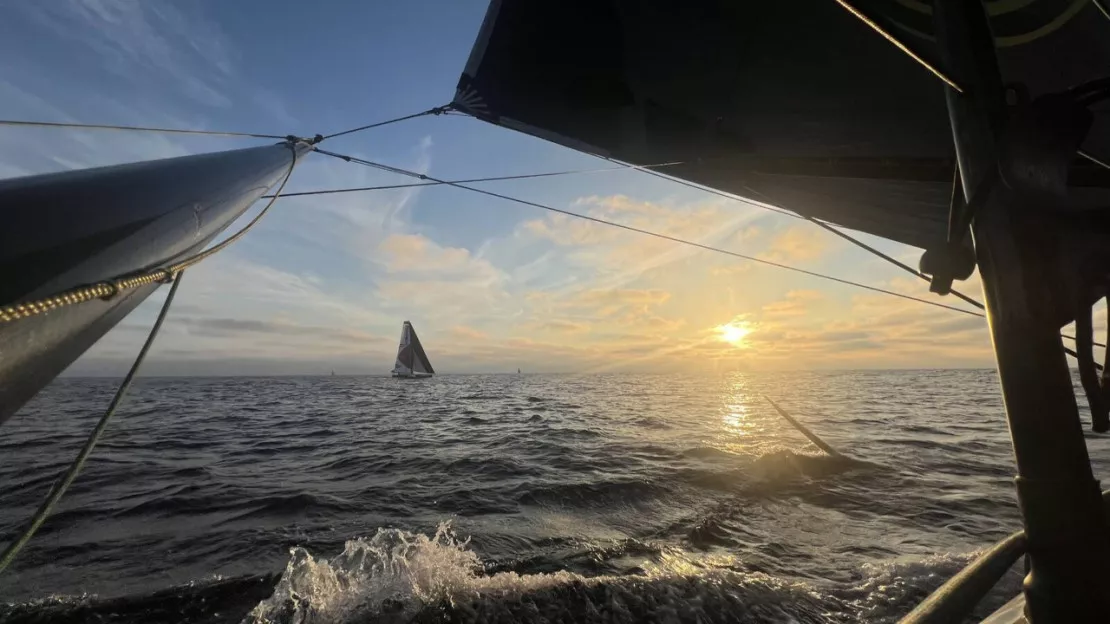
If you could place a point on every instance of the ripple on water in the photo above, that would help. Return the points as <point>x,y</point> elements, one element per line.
<point>606,498</point>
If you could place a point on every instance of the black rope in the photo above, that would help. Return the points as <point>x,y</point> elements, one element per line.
<point>707,189</point>
<point>862,245</point>
<point>51,124</point>
<point>630,228</point>
<point>855,241</point>
<point>1103,7</point>
<point>439,110</point>
<point>470,181</point>
<point>59,488</point>
<point>1094,159</point>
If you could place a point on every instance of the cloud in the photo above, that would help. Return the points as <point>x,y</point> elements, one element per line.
<point>797,243</point>
<point>144,41</point>
<point>418,257</point>
<point>796,303</point>
<point>324,282</point>
<point>563,326</point>
<point>468,333</point>
<point>235,327</point>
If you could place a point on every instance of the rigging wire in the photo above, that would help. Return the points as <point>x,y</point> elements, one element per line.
<point>59,488</point>
<point>1103,7</point>
<point>109,288</point>
<point>1095,160</point>
<point>439,110</point>
<point>855,241</point>
<point>707,189</point>
<point>901,46</point>
<point>52,124</point>
<point>637,230</point>
<point>819,223</point>
<point>648,169</point>
<point>898,44</point>
<point>470,181</point>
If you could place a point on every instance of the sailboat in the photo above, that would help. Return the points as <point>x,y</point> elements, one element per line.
<point>412,361</point>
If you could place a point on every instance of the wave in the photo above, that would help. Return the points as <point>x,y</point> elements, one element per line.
<point>601,493</point>
<point>396,576</point>
<point>788,464</point>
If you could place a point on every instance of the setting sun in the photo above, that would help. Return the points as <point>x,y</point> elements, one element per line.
<point>734,332</point>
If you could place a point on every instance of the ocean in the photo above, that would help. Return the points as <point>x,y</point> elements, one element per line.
<point>509,498</point>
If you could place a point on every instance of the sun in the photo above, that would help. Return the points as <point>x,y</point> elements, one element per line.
<point>734,332</point>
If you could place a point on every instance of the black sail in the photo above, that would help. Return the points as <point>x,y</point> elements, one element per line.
<point>797,104</point>
<point>420,363</point>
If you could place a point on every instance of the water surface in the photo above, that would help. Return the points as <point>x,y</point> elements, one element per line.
<point>504,497</point>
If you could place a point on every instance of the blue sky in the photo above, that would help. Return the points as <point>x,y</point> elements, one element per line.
<point>324,283</point>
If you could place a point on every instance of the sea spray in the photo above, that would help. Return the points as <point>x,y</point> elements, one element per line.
<point>397,576</point>
<point>394,572</point>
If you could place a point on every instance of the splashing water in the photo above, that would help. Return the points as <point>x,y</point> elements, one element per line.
<point>397,576</point>
<point>394,572</point>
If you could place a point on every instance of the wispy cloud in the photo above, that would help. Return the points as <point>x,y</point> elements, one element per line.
<point>325,281</point>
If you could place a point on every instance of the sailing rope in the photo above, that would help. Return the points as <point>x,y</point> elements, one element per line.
<point>112,287</point>
<point>59,488</point>
<point>50,124</point>
<point>630,228</point>
<point>899,44</point>
<point>1094,87</point>
<point>474,180</point>
<point>1100,4</point>
<point>439,110</point>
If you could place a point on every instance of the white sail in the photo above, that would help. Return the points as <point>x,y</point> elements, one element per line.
<point>412,361</point>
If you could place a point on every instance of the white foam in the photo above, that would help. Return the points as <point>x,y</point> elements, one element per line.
<point>408,570</point>
<point>394,574</point>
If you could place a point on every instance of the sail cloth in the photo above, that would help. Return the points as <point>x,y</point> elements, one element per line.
<point>420,363</point>
<point>411,358</point>
<point>797,104</point>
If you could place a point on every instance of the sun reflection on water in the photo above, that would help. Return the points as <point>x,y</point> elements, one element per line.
<point>746,428</point>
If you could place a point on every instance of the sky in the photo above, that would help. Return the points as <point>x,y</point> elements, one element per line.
<point>324,283</point>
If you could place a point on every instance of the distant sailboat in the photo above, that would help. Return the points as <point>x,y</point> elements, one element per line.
<point>412,362</point>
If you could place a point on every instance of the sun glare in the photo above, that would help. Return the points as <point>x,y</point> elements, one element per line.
<point>734,332</point>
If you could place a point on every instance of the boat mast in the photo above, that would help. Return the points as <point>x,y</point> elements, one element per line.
<point>69,229</point>
<point>1022,259</point>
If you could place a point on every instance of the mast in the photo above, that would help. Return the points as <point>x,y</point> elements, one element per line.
<point>64,230</point>
<point>1023,261</point>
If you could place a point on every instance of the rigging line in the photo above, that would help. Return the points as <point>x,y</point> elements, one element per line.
<point>707,189</point>
<point>862,245</point>
<point>658,235</point>
<point>59,488</point>
<point>1099,4</point>
<point>439,110</point>
<point>470,181</point>
<point>851,239</point>
<point>111,287</point>
<point>948,81</point>
<point>1103,7</point>
<point>898,44</point>
<point>1095,160</point>
<point>907,268</point>
<point>52,124</point>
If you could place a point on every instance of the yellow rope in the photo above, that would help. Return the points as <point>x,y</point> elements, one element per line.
<point>70,475</point>
<point>111,287</point>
